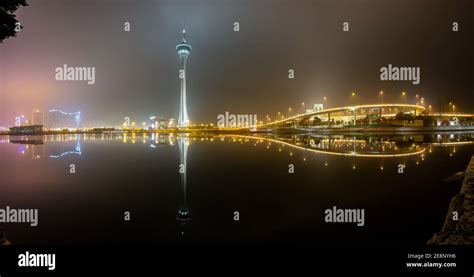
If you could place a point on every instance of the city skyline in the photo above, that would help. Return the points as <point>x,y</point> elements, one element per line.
<point>241,72</point>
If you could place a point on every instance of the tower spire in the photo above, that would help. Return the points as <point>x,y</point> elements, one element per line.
<point>184,33</point>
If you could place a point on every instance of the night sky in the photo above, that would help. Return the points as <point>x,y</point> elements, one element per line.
<point>242,72</point>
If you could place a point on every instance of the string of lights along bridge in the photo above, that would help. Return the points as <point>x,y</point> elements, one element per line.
<point>75,115</point>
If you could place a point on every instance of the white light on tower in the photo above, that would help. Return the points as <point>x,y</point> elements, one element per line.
<point>184,49</point>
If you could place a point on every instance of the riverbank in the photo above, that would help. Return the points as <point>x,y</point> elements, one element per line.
<point>369,130</point>
<point>458,228</point>
<point>136,131</point>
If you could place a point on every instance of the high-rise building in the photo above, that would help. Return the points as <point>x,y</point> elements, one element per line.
<point>184,49</point>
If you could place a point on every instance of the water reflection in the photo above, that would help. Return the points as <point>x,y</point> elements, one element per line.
<point>364,146</point>
<point>76,151</point>
<point>356,146</point>
<point>265,157</point>
<point>183,213</point>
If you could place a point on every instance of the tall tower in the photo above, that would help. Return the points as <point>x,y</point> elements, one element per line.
<point>184,49</point>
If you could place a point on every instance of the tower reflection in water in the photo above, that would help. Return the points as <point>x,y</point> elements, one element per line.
<point>3,237</point>
<point>183,215</point>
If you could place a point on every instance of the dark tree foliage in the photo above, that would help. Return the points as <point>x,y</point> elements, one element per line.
<point>8,22</point>
<point>403,116</point>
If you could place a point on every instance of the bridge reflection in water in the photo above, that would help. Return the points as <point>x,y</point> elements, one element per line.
<point>347,146</point>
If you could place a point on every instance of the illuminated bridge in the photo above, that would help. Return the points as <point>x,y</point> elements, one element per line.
<point>349,116</point>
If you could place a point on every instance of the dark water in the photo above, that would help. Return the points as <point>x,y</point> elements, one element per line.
<point>225,174</point>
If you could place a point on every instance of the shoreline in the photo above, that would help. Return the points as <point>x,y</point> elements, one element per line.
<point>458,227</point>
<point>363,130</point>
